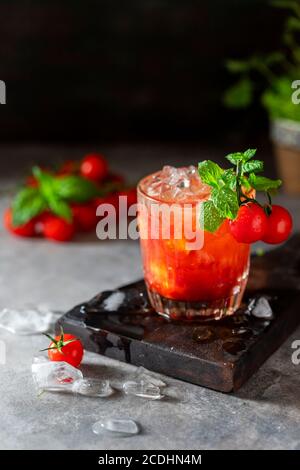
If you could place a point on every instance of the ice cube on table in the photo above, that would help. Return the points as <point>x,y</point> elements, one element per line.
<point>92,388</point>
<point>142,389</point>
<point>149,376</point>
<point>260,308</point>
<point>116,427</point>
<point>29,321</point>
<point>54,376</point>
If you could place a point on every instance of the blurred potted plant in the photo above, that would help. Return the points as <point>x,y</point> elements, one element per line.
<point>279,95</point>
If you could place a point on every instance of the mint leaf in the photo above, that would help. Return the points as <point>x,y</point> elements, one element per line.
<point>261,183</point>
<point>229,178</point>
<point>235,158</point>
<point>254,166</point>
<point>210,173</point>
<point>61,209</point>
<point>238,157</point>
<point>248,154</point>
<point>211,218</point>
<point>225,201</point>
<point>75,188</point>
<point>27,204</point>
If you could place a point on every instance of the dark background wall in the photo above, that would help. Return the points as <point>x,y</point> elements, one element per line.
<point>126,70</point>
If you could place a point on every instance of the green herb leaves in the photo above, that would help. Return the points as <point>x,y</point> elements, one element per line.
<point>223,201</point>
<point>211,173</point>
<point>52,193</point>
<point>27,204</point>
<point>261,183</point>
<point>211,218</point>
<point>75,188</point>
<point>228,186</point>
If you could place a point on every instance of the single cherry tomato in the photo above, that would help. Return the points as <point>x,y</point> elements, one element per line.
<point>94,167</point>
<point>250,224</point>
<point>112,199</point>
<point>131,196</point>
<point>32,182</point>
<point>280,224</point>
<point>66,348</point>
<point>25,230</point>
<point>69,167</point>
<point>84,216</point>
<point>58,229</point>
<point>40,223</point>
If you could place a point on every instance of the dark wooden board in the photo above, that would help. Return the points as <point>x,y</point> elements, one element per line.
<point>220,355</point>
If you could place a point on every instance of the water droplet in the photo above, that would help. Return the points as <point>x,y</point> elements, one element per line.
<point>204,335</point>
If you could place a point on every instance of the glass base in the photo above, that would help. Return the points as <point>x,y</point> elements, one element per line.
<point>196,311</point>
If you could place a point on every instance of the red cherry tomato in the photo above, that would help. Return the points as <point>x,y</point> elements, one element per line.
<point>26,230</point>
<point>94,167</point>
<point>69,167</point>
<point>280,224</point>
<point>84,215</point>
<point>66,348</point>
<point>40,223</point>
<point>250,224</point>
<point>32,182</point>
<point>112,199</point>
<point>58,229</point>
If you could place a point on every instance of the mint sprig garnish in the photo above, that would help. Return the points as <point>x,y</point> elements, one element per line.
<point>228,187</point>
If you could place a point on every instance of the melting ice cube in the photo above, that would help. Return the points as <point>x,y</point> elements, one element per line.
<point>143,389</point>
<point>117,427</point>
<point>28,321</point>
<point>260,308</point>
<point>92,388</point>
<point>54,376</point>
<point>149,376</point>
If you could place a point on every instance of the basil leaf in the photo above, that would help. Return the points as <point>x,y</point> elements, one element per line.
<point>225,201</point>
<point>75,188</point>
<point>254,166</point>
<point>211,218</point>
<point>46,182</point>
<point>27,204</point>
<point>210,173</point>
<point>60,208</point>
<point>261,183</point>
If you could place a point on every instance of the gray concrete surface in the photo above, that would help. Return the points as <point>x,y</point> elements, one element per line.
<point>264,414</point>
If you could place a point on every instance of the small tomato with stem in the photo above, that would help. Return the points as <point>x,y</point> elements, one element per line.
<point>65,348</point>
<point>279,225</point>
<point>250,224</point>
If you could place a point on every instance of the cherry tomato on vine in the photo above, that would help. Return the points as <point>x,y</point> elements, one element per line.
<point>25,230</point>
<point>58,229</point>
<point>66,348</point>
<point>94,167</point>
<point>280,224</point>
<point>84,215</point>
<point>250,224</point>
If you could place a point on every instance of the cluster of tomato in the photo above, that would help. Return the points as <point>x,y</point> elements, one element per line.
<point>93,167</point>
<point>254,223</point>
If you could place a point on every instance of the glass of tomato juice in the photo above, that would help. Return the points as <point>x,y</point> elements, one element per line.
<point>190,273</point>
